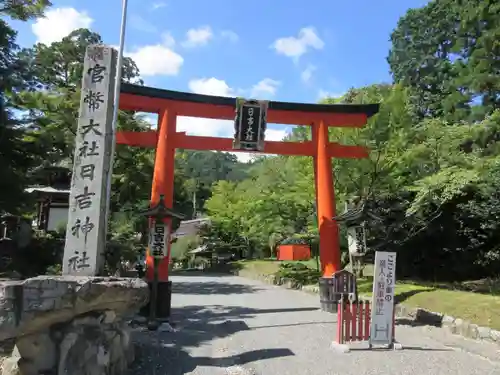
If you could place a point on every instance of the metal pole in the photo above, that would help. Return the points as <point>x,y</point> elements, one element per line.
<point>118,80</point>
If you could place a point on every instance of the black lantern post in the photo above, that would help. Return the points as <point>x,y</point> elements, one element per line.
<point>159,238</point>
<point>354,219</point>
<point>342,284</point>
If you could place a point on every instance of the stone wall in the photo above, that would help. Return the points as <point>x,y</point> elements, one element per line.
<point>68,325</point>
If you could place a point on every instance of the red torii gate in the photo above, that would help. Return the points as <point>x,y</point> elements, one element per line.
<point>170,104</point>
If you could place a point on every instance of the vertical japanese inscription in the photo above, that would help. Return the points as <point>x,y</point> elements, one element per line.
<point>383,298</point>
<point>85,232</point>
<point>250,125</point>
<point>356,240</point>
<point>158,239</point>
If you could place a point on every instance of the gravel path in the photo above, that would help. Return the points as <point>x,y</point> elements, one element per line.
<point>235,326</point>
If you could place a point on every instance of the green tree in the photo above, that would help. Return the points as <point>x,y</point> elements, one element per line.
<point>15,152</point>
<point>447,53</point>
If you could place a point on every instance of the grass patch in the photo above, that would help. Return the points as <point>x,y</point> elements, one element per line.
<point>270,266</point>
<point>476,301</point>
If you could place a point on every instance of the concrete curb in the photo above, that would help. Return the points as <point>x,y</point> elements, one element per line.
<point>415,315</point>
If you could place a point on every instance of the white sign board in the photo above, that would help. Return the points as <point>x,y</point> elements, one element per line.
<point>158,239</point>
<point>356,240</point>
<point>384,281</point>
<point>86,228</point>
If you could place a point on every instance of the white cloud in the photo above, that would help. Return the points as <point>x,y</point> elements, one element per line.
<point>167,39</point>
<point>58,23</point>
<point>150,118</point>
<point>271,135</point>
<point>198,37</point>
<point>323,94</point>
<point>210,86</point>
<point>205,127</point>
<point>158,5</point>
<point>202,126</point>
<point>265,88</point>
<point>307,73</point>
<point>230,35</point>
<point>221,128</point>
<point>139,23</point>
<point>276,134</point>
<point>157,59</point>
<point>295,47</point>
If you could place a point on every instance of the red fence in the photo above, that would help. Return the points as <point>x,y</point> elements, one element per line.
<point>353,322</point>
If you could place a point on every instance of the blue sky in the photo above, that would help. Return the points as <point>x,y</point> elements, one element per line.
<point>290,51</point>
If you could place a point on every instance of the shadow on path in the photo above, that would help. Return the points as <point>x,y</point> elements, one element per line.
<point>210,313</point>
<point>171,360</point>
<point>293,324</point>
<point>168,352</point>
<point>414,348</point>
<point>202,273</point>
<point>207,287</point>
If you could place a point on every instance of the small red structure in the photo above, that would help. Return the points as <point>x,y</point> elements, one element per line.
<point>294,252</point>
<point>171,104</point>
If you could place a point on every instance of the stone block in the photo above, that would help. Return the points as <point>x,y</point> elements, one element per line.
<point>68,324</point>
<point>457,326</point>
<point>495,335</point>
<point>401,311</point>
<point>109,317</point>
<point>447,321</point>
<point>463,328</point>
<point>46,300</point>
<point>484,333</point>
<point>17,366</point>
<point>429,317</point>
<point>39,349</point>
<point>472,332</point>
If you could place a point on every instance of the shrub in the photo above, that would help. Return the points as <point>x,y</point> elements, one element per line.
<point>44,250</point>
<point>299,273</point>
<point>294,241</point>
<point>293,266</point>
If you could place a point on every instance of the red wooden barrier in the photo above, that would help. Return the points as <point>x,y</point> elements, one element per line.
<point>353,322</point>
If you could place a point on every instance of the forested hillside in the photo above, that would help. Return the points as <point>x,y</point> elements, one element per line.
<point>432,176</point>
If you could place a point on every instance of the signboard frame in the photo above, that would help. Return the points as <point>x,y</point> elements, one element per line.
<point>382,314</point>
<point>155,236</point>
<point>356,240</point>
<point>243,106</point>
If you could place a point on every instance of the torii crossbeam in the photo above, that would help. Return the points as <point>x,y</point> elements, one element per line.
<point>171,104</point>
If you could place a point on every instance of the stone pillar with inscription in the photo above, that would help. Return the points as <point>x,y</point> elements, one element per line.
<point>86,229</point>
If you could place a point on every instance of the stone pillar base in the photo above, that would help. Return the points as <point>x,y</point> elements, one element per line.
<point>164,303</point>
<point>68,324</point>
